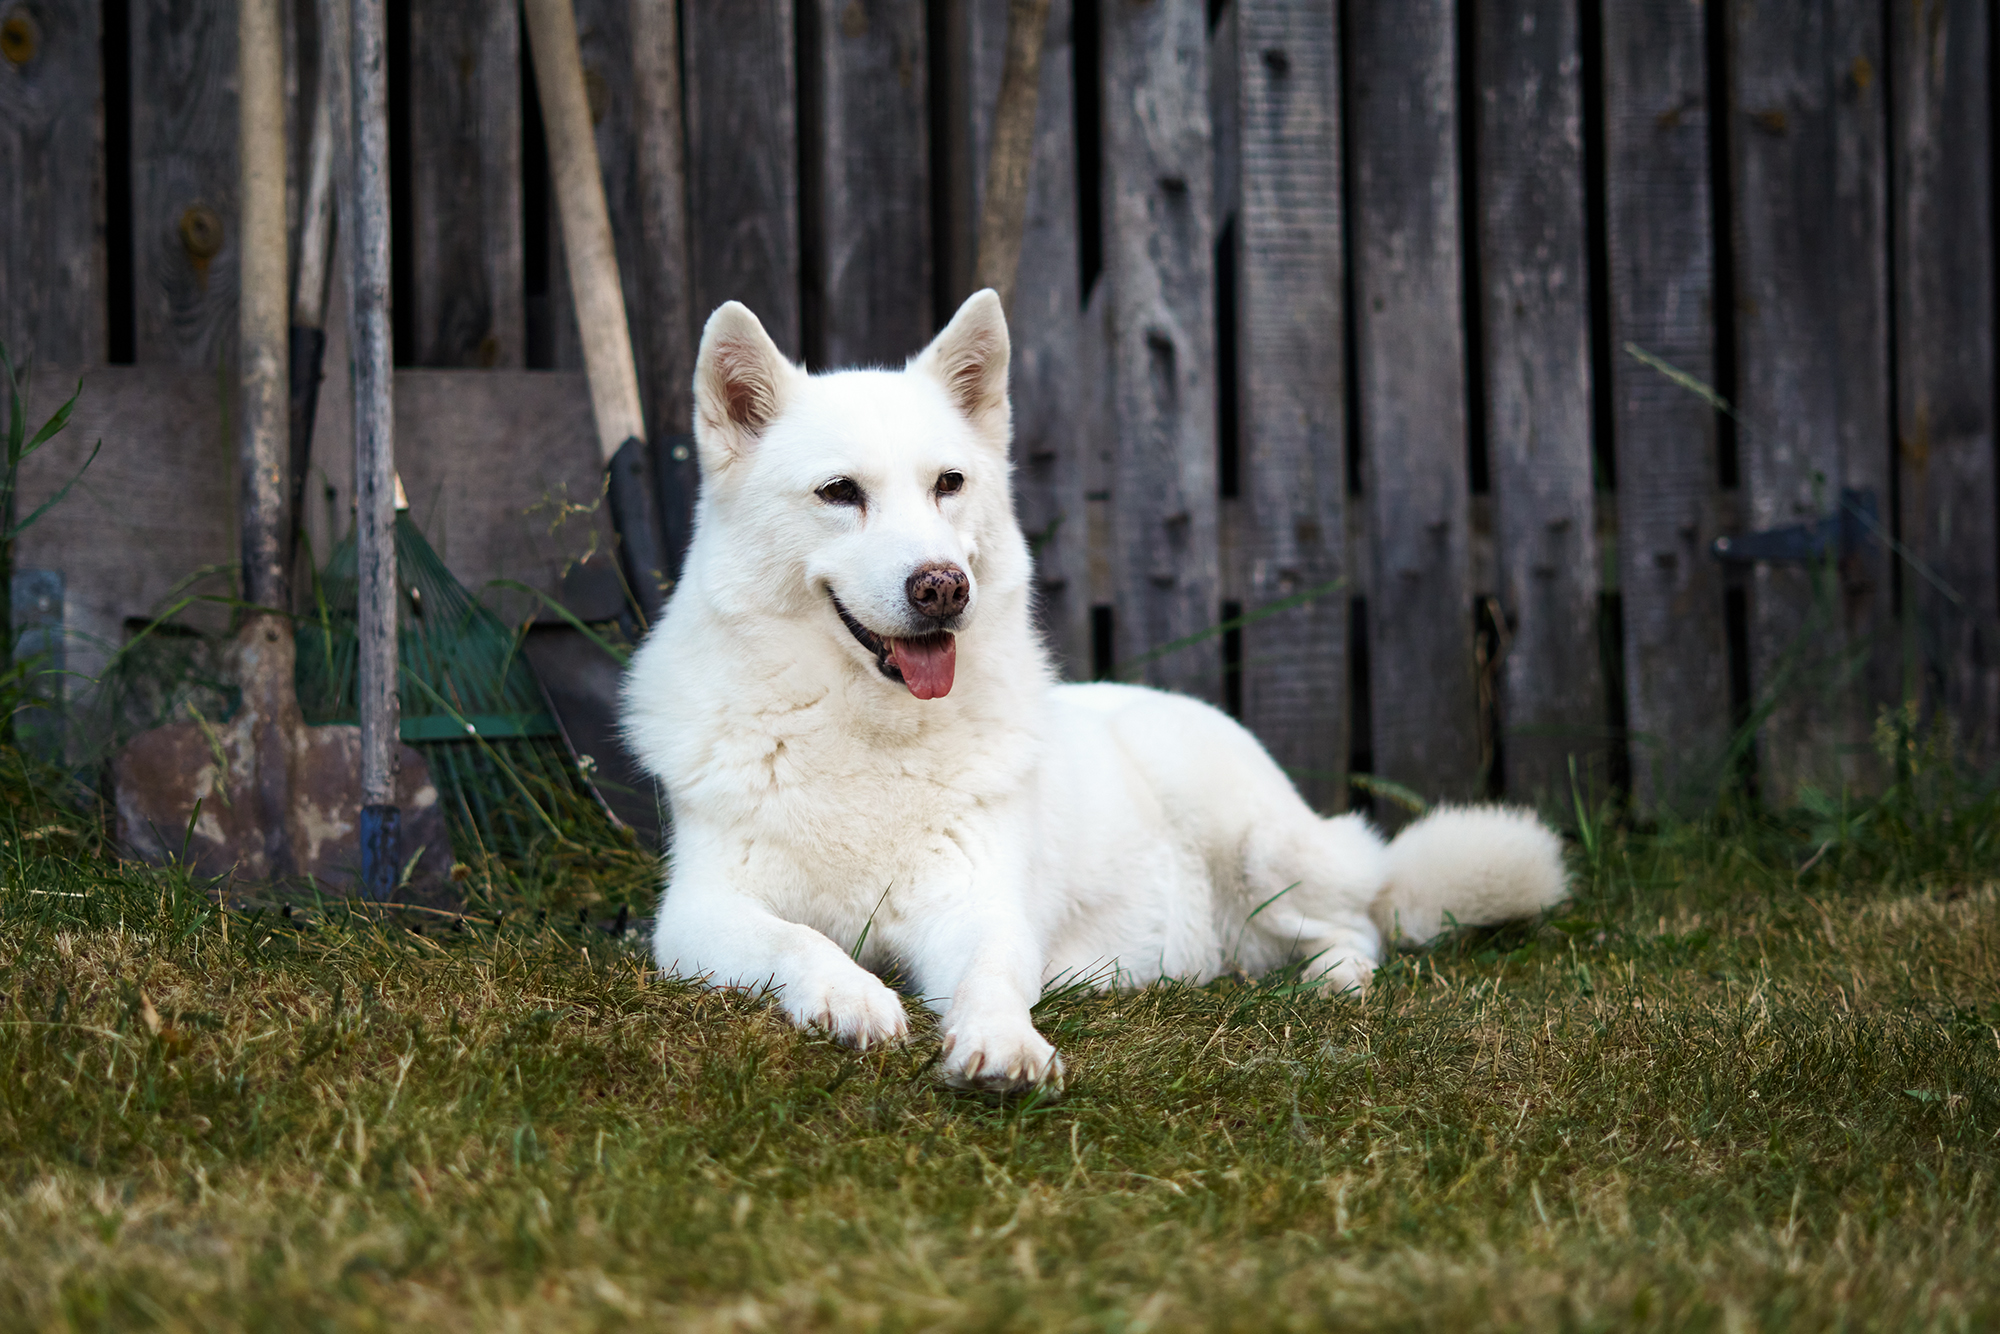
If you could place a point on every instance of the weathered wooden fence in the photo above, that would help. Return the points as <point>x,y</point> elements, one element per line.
<point>1362,312</point>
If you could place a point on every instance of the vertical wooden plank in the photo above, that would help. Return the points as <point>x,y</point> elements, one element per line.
<point>1051,435</point>
<point>867,196</point>
<point>1409,320</point>
<point>1943,229</point>
<point>1292,354</point>
<point>1661,275</point>
<point>1536,329</point>
<point>52,265</point>
<point>1159,264</point>
<point>662,316</point>
<point>743,160</point>
<point>1813,375</point>
<point>184,180</point>
<point>465,177</point>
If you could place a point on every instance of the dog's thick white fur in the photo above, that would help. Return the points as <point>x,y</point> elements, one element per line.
<point>1006,832</point>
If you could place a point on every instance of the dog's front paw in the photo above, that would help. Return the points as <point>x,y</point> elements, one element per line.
<point>1346,974</point>
<point>858,1011</point>
<point>999,1057</point>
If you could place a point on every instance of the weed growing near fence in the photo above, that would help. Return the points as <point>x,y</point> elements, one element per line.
<point>1751,1079</point>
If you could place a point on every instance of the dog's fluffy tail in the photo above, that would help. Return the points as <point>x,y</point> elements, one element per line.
<point>1469,865</point>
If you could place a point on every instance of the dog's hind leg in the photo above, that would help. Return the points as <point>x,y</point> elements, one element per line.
<point>706,930</point>
<point>1307,887</point>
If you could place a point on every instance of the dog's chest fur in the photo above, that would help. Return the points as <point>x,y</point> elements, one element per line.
<point>832,786</point>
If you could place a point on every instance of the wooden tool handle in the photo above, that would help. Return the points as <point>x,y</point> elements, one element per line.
<point>1003,216</point>
<point>586,225</point>
<point>264,402</point>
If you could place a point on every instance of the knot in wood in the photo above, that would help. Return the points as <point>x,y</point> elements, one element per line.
<point>20,39</point>
<point>201,234</point>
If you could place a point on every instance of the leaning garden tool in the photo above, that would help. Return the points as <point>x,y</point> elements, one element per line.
<point>259,794</point>
<point>600,301</point>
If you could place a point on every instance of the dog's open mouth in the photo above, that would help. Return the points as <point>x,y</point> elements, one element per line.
<point>925,664</point>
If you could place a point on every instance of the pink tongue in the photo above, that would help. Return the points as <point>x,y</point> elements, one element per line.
<point>926,664</point>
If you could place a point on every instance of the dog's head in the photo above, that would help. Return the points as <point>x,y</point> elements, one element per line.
<point>875,502</point>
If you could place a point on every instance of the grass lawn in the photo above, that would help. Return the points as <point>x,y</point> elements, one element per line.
<point>1719,1092</point>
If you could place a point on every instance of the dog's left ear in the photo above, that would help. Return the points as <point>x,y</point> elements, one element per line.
<point>970,359</point>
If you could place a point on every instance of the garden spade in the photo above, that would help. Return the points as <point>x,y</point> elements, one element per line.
<point>260,795</point>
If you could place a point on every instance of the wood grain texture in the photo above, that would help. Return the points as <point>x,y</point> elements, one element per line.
<point>664,332</point>
<point>1292,354</point>
<point>184,180</point>
<point>743,160</point>
<point>1662,279</point>
<point>1051,433</point>
<point>1535,310</point>
<point>662,315</point>
<point>867,182</point>
<point>367,208</point>
<point>465,177</point>
<point>1159,267</point>
<point>157,505</point>
<point>1813,373</point>
<point>52,264</point>
<point>1411,358</point>
<point>1943,226</point>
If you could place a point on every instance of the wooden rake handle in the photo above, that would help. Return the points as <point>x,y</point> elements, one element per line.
<point>600,301</point>
<point>586,225</point>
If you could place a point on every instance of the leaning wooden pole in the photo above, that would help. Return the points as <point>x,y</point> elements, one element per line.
<point>374,448</point>
<point>1003,214</point>
<point>600,299</point>
<point>263,404</point>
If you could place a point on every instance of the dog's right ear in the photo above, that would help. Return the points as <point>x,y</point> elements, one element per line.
<point>741,384</point>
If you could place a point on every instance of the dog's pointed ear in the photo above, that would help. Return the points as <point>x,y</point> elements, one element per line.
<point>741,383</point>
<point>969,357</point>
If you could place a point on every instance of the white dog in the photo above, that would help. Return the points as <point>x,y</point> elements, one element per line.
<point>871,765</point>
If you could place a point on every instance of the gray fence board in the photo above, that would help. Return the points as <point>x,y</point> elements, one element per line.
<point>743,195</point>
<point>1158,260</point>
<point>1292,355</point>
<point>1535,312</point>
<point>184,180</point>
<point>868,175</point>
<point>51,220</point>
<point>663,318</point>
<point>1812,339</point>
<point>1943,227</point>
<point>1661,275</point>
<point>465,183</point>
<point>1411,357</point>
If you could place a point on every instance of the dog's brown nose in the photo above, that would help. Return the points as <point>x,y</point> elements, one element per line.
<point>938,591</point>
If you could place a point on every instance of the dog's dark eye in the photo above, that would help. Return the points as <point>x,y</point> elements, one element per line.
<point>950,483</point>
<point>840,491</point>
